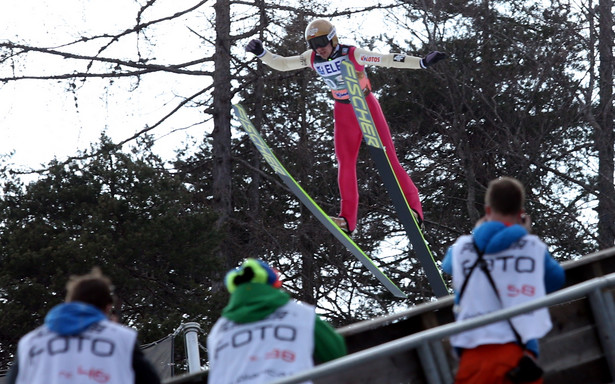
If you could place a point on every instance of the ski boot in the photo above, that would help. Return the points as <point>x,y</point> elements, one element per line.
<point>341,223</point>
<point>418,219</point>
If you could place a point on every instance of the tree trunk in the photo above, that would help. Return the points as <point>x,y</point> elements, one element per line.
<point>221,117</point>
<point>254,201</point>
<point>605,139</point>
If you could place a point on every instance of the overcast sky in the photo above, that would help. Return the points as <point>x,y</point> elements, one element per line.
<point>40,120</point>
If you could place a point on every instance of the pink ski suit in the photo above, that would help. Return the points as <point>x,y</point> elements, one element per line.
<point>347,134</point>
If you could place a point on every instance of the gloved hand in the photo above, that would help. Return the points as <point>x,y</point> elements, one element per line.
<point>432,58</point>
<point>255,46</point>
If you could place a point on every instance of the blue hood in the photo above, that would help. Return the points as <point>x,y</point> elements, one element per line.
<point>495,236</point>
<point>72,318</point>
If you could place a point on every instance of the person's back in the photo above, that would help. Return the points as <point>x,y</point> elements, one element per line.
<point>517,269</point>
<point>79,344</point>
<point>263,335</point>
<point>259,352</point>
<point>101,353</point>
<point>500,265</point>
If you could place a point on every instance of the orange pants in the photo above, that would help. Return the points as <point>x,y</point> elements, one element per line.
<point>489,364</point>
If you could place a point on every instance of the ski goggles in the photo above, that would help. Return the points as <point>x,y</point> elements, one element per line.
<point>318,42</point>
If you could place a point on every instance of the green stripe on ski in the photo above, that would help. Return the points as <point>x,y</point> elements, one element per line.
<point>302,195</point>
<point>383,163</point>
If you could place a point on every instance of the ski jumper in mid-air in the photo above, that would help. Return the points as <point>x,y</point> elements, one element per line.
<point>325,58</point>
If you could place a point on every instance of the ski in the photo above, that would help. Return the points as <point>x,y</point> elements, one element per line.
<point>378,154</point>
<point>303,196</point>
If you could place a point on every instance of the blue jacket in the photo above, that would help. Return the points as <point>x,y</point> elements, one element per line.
<point>72,318</point>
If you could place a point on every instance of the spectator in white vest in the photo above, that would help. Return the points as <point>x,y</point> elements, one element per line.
<point>79,344</point>
<point>263,335</point>
<point>516,265</point>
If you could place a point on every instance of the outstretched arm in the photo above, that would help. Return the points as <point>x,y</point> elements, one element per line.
<point>396,60</point>
<point>279,63</point>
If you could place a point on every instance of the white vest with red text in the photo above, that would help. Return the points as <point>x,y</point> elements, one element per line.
<point>263,351</point>
<point>99,355</point>
<point>518,273</point>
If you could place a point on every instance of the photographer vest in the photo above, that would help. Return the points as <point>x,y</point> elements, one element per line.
<point>518,273</point>
<point>100,354</point>
<point>263,351</point>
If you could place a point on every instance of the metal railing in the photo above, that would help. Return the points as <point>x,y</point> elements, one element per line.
<point>602,304</point>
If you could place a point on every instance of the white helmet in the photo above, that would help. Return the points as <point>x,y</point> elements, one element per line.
<point>319,33</point>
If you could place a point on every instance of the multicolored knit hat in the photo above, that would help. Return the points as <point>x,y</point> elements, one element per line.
<point>252,271</point>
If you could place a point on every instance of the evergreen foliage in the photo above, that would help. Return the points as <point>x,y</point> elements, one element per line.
<point>122,212</point>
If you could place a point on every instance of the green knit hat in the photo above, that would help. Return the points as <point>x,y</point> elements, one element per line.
<point>252,271</point>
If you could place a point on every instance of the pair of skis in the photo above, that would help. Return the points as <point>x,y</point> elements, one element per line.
<point>378,153</point>
<point>292,184</point>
